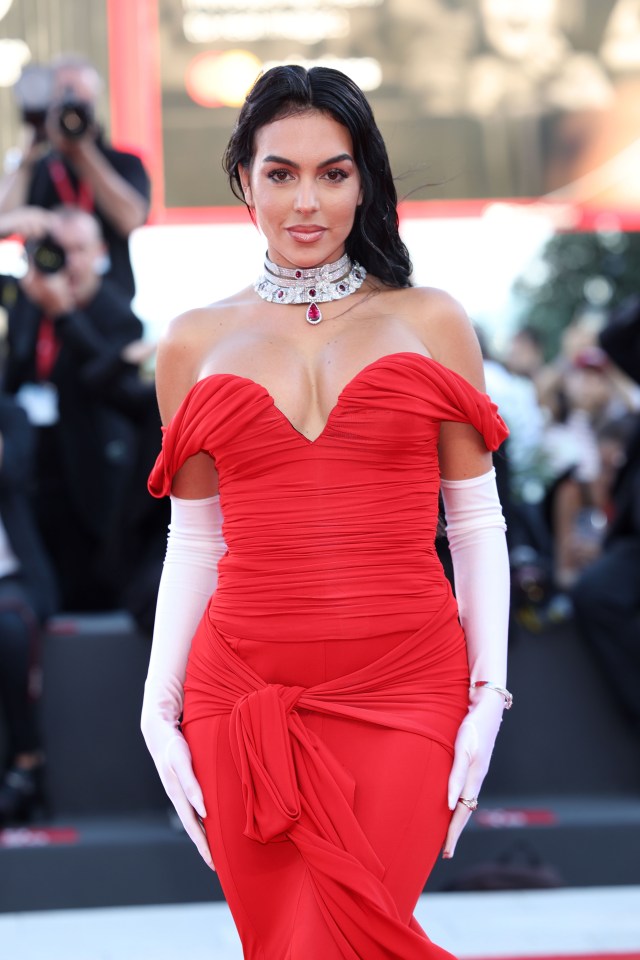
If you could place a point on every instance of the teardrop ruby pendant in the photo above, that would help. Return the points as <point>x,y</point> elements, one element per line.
<point>313,313</point>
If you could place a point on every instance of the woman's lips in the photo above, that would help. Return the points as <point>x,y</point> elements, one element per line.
<point>306,234</point>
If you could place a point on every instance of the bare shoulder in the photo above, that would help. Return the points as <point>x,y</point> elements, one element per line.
<point>447,332</point>
<point>183,349</point>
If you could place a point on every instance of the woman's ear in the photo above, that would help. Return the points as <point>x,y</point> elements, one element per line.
<point>245,181</point>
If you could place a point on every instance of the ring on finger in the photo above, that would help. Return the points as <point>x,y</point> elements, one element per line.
<point>470,802</point>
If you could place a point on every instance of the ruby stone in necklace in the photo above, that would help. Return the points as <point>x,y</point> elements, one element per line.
<point>313,313</point>
<point>331,281</point>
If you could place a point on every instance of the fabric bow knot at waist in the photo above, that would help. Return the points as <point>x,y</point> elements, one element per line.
<point>261,747</point>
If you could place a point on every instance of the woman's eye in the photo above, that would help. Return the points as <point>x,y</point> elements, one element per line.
<point>279,176</point>
<point>335,176</point>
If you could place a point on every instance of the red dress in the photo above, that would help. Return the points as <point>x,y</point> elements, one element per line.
<point>328,676</point>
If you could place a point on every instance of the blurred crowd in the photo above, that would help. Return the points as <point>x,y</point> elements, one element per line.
<point>79,426</point>
<point>79,430</point>
<point>570,486</point>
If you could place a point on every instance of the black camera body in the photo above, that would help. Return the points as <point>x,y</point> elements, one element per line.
<point>46,254</point>
<point>32,92</point>
<point>75,117</point>
<point>38,120</point>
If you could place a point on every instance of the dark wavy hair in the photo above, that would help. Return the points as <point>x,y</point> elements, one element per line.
<point>284,91</point>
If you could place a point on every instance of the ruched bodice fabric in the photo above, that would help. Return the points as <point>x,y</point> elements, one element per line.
<point>338,531</point>
<point>331,644</point>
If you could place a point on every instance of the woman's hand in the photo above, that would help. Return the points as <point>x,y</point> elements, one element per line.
<point>472,754</point>
<point>172,758</point>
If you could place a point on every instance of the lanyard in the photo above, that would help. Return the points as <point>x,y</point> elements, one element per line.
<point>47,349</point>
<point>82,197</point>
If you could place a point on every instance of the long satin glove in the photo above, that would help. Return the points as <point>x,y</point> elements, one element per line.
<point>476,534</point>
<point>189,578</point>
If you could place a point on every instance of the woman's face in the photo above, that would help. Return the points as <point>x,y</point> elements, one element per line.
<point>304,187</point>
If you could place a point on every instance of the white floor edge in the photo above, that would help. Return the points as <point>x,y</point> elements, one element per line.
<point>592,920</point>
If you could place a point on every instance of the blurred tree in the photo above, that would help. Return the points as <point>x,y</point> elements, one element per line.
<point>577,273</point>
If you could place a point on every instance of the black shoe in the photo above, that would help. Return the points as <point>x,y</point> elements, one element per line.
<point>21,795</point>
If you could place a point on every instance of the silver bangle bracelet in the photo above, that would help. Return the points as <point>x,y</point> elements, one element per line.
<point>508,697</point>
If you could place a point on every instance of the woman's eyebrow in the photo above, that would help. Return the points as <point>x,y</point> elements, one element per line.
<point>273,158</point>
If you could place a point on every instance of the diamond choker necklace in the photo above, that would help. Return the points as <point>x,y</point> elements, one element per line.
<point>331,281</point>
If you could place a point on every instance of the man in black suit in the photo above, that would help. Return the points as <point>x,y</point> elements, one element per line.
<point>60,325</point>
<point>27,597</point>
<point>607,595</point>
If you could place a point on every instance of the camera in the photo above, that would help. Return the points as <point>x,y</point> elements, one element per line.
<point>32,92</point>
<point>75,117</point>
<point>46,254</point>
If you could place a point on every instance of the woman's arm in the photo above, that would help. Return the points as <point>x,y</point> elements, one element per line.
<point>476,532</point>
<point>189,579</point>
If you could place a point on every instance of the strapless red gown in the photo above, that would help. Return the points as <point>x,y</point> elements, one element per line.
<point>328,676</point>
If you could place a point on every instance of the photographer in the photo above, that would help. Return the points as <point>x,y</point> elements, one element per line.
<point>65,322</point>
<point>69,162</point>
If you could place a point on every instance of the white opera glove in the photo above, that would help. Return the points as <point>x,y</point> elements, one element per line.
<point>477,542</point>
<point>189,578</point>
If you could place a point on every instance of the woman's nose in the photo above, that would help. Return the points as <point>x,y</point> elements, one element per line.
<point>306,199</point>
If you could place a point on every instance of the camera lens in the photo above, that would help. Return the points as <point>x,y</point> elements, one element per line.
<point>75,119</point>
<point>46,255</point>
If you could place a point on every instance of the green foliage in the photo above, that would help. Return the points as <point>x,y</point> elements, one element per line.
<point>577,272</point>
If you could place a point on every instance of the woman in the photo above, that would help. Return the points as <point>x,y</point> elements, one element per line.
<point>328,679</point>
